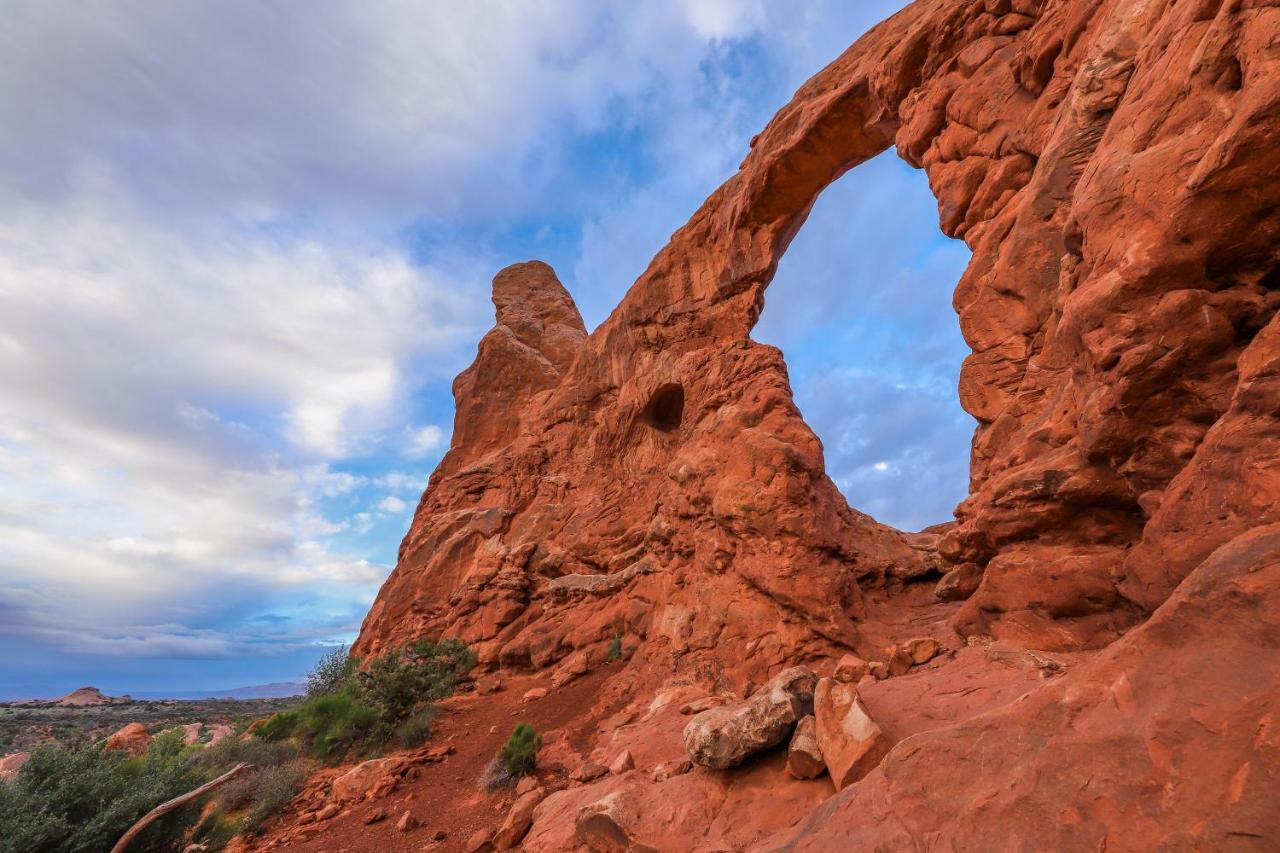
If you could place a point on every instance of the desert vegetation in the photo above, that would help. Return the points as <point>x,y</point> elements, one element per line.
<point>391,700</point>
<point>79,795</point>
<point>24,725</point>
<point>518,756</point>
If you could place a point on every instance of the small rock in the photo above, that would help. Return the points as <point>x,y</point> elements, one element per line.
<point>481,841</point>
<point>879,670</point>
<point>406,822</point>
<point>921,649</point>
<point>622,763</point>
<point>899,660</point>
<point>488,684</point>
<point>526,784</point>
<point>440,835</point>
<point>589,772</point>
<point>518,821</point>
<point>534,693</point>
<point>850,669</point>
<point>306,817</point>
<point>375,816</point>
<point>671,769</point>
<point>959,583</point>
<point>804,756</point>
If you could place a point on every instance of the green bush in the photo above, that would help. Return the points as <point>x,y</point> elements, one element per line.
<point>329,726</point>
<point>418,672</point>
<point>227,753</point>
<point>348,710</point>
<point>332,673</point>
<point>615,648</point>
<point>279,726</point>
<point>272,788</point>
<point>84,798</point>
<point>520,753</point>
<point>415,728</point>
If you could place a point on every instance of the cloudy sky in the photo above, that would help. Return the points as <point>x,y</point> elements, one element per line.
<point>246,246</point>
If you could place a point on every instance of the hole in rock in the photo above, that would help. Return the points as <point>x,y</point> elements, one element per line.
<point>861,308</point>
<point>665,408</point>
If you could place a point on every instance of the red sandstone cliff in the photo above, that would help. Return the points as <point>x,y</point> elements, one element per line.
<point>1115,167</point>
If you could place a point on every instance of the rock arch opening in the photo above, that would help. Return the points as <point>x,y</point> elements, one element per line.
<point>861,308</point>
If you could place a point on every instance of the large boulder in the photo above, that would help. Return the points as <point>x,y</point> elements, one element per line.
<point>724,737</point>
<point>850,741</point>
<point>133,739</point>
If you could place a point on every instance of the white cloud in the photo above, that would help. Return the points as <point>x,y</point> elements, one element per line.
<point>384,106</point>
<point>124,494</point>
<point>423,441</point>
<point>392,504</point>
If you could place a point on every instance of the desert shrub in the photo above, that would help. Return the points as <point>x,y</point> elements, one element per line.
<point>336,723</point>
<point>273,788</point>
<point>390,700</point>
<point>84,798</point>
<point>332,673</point>
<point>277,776</point>
<point>615,648</point>
<point>229,752</point>
<point>418,672</point>
<point>279,726</point>
<point>216,830</point>
<point>415,728</point>
<point>518,756</point>
<point>496,775</point>
<point>520,752</point>
<point>329,726</point>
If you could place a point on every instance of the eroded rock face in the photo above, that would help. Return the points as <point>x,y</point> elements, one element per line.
<point>1123,729</point>
<point>725,737</point>
<point>1111,163</point>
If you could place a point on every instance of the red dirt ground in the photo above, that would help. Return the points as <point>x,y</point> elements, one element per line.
<point>447,795</point>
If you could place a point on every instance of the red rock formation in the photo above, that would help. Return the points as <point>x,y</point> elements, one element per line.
<point>133,739</point>
<point>1115,167</point>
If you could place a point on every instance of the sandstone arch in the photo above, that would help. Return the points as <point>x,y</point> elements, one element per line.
<point>1093,218</point>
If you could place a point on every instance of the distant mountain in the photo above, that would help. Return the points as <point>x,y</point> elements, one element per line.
<point>274,690</point>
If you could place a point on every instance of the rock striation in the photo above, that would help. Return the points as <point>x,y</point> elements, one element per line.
<point>1114,165</point>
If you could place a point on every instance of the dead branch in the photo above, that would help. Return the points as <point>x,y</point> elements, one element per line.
<point>176,803</point>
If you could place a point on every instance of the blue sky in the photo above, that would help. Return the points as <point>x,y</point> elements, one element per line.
<point>247,247</point>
